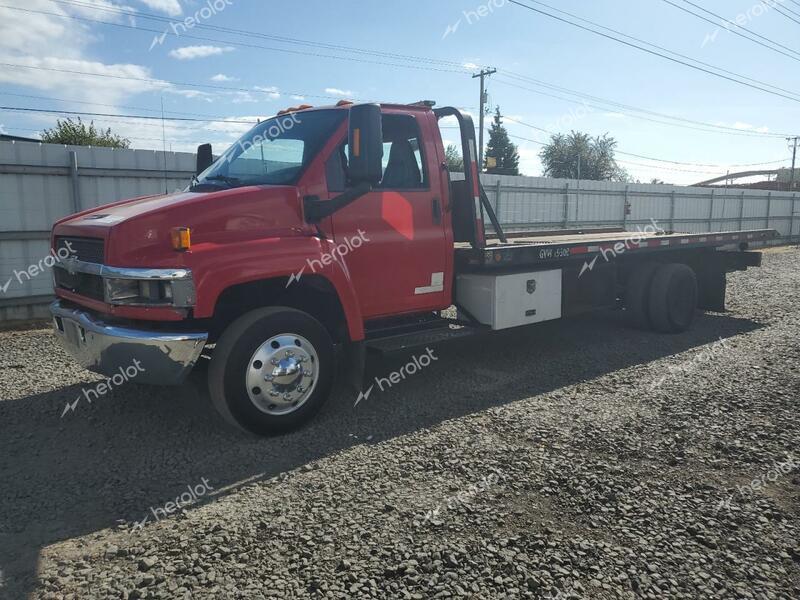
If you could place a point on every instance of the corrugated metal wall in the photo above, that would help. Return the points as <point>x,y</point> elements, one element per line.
<point>540,203</point>
<point>40,183</point>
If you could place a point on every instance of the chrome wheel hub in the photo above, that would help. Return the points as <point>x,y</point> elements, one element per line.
<point>282,374</point>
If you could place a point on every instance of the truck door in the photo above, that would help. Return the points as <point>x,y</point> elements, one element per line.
<point>402,263</point>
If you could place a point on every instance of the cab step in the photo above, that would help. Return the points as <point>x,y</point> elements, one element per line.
<point>403,343</point>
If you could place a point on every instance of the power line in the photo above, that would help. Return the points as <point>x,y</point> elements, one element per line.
<point>674,162</point>
<point>722,128</point>
<point>780,11</point>
<point>145,117</point>
<point>234,43</point>
<point>403,57</point>
<point>68,100</point>
<point>257,34</point>
<point>519,137</point>
<point>708,71</point>
<point>662,48</point>
<point>164,82</point>
<point>733,31</point>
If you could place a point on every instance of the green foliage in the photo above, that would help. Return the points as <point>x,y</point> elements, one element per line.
<point>455,162</point>
<point>580,156</point>
<point>501,149</point>
<point>77,133</point>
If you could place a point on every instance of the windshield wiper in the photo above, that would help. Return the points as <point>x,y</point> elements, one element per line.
<point>224,178</point>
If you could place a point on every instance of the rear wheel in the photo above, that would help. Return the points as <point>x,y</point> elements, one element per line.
<point>673,298</point>
<point>272,370</point>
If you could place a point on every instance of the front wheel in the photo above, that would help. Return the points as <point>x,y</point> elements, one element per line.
<point>272,370</point>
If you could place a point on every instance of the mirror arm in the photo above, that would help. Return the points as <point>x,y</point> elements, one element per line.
<point>316,210</point>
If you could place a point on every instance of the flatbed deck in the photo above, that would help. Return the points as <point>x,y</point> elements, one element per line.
<point>535,248</point>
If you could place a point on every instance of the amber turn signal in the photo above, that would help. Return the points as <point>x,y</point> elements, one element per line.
<point>181,238</point>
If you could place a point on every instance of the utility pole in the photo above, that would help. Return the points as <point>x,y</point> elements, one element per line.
<point>483,75</point>
<point>794,141</point>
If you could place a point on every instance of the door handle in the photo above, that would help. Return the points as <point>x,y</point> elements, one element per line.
<point>437,211</point>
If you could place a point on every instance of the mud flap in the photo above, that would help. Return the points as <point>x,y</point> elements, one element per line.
<point>355,364</point>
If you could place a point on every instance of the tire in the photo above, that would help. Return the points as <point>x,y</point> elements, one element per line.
<point>272,370</point>
<point>673,298</point>
<point>637,295</point>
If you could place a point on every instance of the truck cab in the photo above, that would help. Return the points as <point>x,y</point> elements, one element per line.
<point>335,228</point>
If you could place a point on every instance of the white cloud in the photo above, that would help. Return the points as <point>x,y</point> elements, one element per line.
<point>470,65</point>
<point>221,77</point>
<point>299,98</point>
<point>50,47</point>
<point>194,94</point>
<point>241,97</point>
<point>170,7</point>
<point>271,91</point>
<point>337,92</point>
<point>105,88</point>
<point>744,126</point>
<point>192,52</point>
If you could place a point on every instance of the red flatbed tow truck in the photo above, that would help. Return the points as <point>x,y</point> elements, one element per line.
<point>340,228</point>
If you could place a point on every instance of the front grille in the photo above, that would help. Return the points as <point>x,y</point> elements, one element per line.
<point>84,284</point>
<point>89,250</point>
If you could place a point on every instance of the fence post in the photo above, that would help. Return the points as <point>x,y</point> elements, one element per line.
<point>791,220</point>
<point>741,212</point>
<point>672,212</point>
<point>74,177</point>
<point>625,209</point>
<point>769,207</point>
<point>566,206</point>
<point>711,213</point>
<point>497,201</point>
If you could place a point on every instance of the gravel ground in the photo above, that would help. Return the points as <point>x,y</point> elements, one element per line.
<point>574,460</point>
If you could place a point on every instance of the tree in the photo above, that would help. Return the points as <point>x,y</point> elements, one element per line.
<point>504,154</point>
<point>455,162</point>
<point>77,133</point>
<point>580,156</point>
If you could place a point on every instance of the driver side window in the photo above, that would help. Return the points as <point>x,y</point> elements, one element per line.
<point>403,161</point>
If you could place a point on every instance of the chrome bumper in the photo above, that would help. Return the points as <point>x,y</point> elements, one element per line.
<point>158,358</point>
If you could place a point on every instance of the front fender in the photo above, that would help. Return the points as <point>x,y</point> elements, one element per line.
<point>217,267</point>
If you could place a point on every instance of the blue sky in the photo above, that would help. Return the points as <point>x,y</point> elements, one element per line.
<point>233,81</point>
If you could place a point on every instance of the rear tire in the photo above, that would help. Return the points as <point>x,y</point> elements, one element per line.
<point>272,370</point>
<point>673,298</point>
<point>637,295</point>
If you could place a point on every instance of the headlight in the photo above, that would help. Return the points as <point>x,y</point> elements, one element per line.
<point>138,291</point>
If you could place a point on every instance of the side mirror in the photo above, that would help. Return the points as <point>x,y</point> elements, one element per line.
<point>365,145</point>
<point>205,158</point>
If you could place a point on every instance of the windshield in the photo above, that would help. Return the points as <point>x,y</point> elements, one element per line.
<point>274,152</point>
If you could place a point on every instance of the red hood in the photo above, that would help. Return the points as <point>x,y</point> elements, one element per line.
<point>137,232</point>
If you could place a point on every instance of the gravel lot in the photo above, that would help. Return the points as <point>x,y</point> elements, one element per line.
<point>574,460</point>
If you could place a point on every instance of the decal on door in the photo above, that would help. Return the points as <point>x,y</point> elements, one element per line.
<point>437,285</point>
